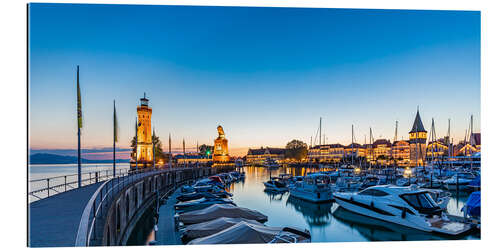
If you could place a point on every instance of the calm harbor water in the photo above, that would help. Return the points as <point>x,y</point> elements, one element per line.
<point>326,222</point>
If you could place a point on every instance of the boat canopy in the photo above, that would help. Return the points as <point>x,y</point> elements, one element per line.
<point>473,204</point>
<point>245,232</point>
<point>214,226</point>
<point>220,210</point>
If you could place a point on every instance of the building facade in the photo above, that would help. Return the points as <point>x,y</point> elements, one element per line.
<point>192,159</point>
<point>400,152</point>
<point>259,156</point>
<point>418,139</point>
<point>329,153</point>
<point>382,151</point>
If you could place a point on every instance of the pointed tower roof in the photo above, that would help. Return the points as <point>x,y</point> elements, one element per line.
<point>418,126</point>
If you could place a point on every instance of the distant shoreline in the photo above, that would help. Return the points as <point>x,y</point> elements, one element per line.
<point>54,159</point>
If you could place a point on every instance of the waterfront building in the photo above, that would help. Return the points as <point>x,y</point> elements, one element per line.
<point>400,152</point>
<point>144,149</point>
<point>418,139</point>
<point>221,151</point>
<point>330,153</point>
<point>437,149</point>
<point>192,159</point>
<point>355,149</point>
<point>382,151</point>
<point>260,155</point>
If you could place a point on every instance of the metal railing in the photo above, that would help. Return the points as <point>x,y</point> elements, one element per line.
<point>98,205</point>
<point>45,187</point>
<point>95,214</point>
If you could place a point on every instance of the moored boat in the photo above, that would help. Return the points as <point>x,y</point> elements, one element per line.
<point>407,206</point>
<point>314,188</point>
<point>244,233</point>
<point>276,184</point>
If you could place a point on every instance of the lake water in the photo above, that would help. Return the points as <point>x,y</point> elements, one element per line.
<point>326,222</point>
<point>38,173</point>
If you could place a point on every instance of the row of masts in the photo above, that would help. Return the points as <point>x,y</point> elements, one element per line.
<point>433,139</point>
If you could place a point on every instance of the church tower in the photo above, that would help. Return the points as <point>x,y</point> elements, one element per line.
<point>418,139</point>
<point>221,153</point>
<point>144,140</point>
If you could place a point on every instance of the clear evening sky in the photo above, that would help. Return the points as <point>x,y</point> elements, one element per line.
<point>265,74</point>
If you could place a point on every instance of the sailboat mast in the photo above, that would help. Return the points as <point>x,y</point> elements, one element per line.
<point>371,148</point>
<point>471,132</point>
<point>320,131</point>
<point>352,144</point>
<point>396,132</point>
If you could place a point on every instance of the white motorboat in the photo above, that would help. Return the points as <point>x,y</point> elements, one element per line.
<point>276,184</point>
<point>407,206</point>
<point>459,181</point>
<point>347,183</point>
<point>271,163</point>
<point>314,188</point>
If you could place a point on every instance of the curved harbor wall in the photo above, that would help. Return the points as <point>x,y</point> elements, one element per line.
<point>134,199</point>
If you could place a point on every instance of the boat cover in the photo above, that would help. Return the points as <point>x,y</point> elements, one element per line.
<point>220,210</point>
<point>214,226</point>
<point>476,182</point>
<point>473,204</point>
<point>244,232</point>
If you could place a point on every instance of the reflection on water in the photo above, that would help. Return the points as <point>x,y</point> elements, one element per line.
<point>326,221</point>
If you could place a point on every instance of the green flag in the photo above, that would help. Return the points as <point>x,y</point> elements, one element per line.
<point>78,98</point>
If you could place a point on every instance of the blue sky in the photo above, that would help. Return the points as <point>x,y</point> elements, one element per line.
<point>265,74</point>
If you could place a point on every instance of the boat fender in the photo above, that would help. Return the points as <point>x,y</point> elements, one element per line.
<point>351,199</point>
<point>403,214</point>
<point>372,205</point>
<point>319,195</point>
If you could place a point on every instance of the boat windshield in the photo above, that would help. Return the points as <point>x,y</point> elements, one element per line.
<point>421,201</point>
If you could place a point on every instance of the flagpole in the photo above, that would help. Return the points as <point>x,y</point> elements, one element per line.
<point>153,141</point>
<point>79,117</point>
<point>169,151</point>
<point>136,145</point>
<point>114,139</point>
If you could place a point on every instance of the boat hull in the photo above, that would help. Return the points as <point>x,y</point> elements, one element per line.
<point>316,197</point>
<point>438,226</point>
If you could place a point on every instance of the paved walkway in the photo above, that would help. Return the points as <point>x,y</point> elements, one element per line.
<point>54,221</point>
<point>167,235</point>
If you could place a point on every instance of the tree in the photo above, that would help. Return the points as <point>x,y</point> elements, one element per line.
<point>296,150</point>
<point>205,150</point>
